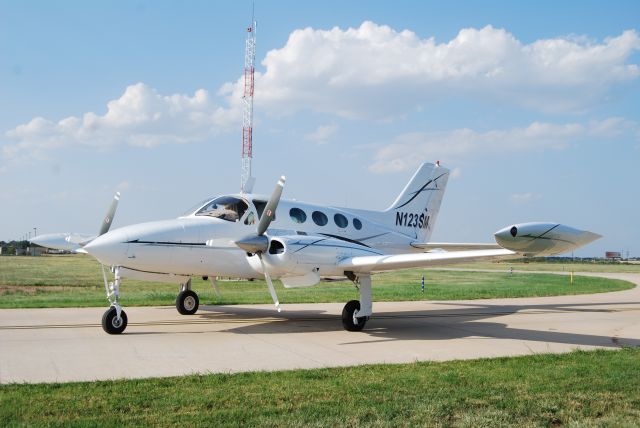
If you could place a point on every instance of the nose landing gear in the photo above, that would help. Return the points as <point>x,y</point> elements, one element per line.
<point>114,320</point>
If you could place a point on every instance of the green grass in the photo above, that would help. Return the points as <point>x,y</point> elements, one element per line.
<point>76,281</point>
<point>556,266</point>
<point>597,388</point>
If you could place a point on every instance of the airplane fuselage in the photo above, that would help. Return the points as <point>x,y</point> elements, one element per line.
<point>202,242</point>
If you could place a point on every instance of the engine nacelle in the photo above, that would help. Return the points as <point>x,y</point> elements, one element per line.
<point>543,239</point>
<point>300,260</point>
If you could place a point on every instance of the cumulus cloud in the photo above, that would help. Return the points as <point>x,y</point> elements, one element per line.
<point>322,134</point>
<point>525,198</point>
<point>456,172</point>
<point>123,185</point>
<point>140,117</point>
<point>374,70</point>
<point>408,150</point>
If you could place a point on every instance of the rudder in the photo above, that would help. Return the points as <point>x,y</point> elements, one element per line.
<point>415,210</point>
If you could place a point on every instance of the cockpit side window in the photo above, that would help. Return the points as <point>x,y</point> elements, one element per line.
<point>251,218</point>
<point>260,205</point>
<point>225,208</point>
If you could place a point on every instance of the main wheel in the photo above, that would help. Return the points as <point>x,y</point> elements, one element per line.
<point>111,323</point>
<point>187,302</point>
<point>348,321</point>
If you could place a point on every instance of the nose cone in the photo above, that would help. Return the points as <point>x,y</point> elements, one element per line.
<point>507,234</point>
<point>110,248</point>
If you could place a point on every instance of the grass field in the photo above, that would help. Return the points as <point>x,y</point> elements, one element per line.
<point>75,281</point>
<point>598,388</point>
<point>555,266</point>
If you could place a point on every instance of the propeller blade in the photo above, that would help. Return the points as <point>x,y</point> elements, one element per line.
<point>108,219</point>
<point>272,290</point>
<point>270,210</point>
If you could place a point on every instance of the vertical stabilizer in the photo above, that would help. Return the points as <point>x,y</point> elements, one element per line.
<point>415,210</point>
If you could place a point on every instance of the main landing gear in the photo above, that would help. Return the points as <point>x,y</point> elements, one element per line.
<point>356,313</point>
<point>187,301</point>
<point>114,320</point>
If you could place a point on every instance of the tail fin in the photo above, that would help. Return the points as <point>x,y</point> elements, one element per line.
<point>415,210</point>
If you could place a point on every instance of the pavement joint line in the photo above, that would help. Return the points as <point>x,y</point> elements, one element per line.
<point>325,318</point>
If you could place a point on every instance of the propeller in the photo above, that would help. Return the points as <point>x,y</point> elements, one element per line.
<point>257,244</point>
<point>112,293</point>
<point>104,226</point>
<point>108,219</point>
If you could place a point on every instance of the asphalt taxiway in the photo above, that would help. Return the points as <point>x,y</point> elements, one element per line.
<point>63,345</point>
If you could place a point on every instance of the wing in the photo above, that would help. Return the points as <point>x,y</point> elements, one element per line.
<point>450,246</point>
<point>366,264</point>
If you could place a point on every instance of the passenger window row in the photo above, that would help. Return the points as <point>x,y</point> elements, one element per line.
<point>299,216</point>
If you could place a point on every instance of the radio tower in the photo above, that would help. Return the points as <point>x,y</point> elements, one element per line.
<point>246,180</point>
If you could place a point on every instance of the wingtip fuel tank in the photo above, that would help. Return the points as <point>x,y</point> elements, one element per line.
<point>543,239</point>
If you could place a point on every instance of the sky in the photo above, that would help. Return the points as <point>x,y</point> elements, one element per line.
<point>533,105</point>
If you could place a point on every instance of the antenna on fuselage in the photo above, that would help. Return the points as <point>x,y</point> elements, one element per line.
<point>246,179</point>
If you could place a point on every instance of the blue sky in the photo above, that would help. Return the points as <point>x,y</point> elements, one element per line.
<point>533,105</point>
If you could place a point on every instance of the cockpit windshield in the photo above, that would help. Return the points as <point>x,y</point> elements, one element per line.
<point>225,207</point>
<point>194,208</point>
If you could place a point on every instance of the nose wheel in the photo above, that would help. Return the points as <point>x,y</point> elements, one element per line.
<point>112,322</point>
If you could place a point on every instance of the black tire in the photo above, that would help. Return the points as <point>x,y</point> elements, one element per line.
<point>347,317</point>
<point>187,302</point>
<point>111,324</point>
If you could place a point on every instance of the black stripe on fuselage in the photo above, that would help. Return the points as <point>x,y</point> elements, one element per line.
<point>342,238</point>
<point>318,243</point>
<point>168,243</point>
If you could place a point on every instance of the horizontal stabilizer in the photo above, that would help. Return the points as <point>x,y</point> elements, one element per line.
<point>454,246</point>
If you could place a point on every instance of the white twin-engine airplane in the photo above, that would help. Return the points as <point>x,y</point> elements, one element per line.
<point>250,236</point>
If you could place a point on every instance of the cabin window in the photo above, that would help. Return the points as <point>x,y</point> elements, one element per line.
<point>341,221</point>
<point>357,224</point>
<point>319,218</point>
<point>297,215</point>
<point>225,207</point>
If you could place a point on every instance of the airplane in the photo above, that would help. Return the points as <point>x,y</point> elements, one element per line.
<point>253,236</point>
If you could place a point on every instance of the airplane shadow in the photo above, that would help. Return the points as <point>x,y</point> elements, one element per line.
<point>472,320</point>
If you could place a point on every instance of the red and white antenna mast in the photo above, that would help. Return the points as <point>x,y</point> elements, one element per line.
<point>246,179</point>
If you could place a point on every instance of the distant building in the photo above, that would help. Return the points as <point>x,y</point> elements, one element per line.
<point>21,251</point>
<point>35,251</point>
<point>613,255</point>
